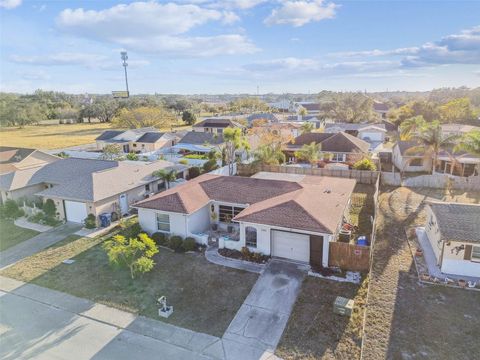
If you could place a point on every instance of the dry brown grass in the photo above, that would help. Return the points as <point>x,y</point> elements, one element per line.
<point>406,320</point>
<point>315,332</point>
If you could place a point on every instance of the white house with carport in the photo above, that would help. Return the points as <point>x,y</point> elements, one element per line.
<point>453,231</point>
<point>292,217</point>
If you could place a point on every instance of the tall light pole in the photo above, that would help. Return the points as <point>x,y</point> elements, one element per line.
<point>124,57</point>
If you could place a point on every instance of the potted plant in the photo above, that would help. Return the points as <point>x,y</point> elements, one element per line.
<point>228,220</point>
<point>214,218</point>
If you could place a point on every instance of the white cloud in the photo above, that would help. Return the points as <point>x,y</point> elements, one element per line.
<point>238,4</point>
<point>10,4</point>
<point>74,59</point>
<point>156,28</point>
<point>299,13</point>
<point>376,52</point>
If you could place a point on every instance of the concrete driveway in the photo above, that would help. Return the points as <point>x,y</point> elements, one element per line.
<point>37,243</point>
<point>257,327</point>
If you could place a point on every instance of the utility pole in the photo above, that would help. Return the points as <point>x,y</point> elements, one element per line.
<point>124,57</point>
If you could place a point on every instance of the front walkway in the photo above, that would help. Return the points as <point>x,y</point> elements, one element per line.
<point>37,243</point>
<point>212,255</point>
<point>256,329</point>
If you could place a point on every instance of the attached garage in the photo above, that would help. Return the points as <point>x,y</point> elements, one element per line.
<point>291,245</point>
<point>75,211</point>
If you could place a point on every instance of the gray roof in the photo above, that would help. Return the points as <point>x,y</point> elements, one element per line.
<point>99,179</point>
<point>262,116</point>
<point>218,123</point>
<point>303,118</point>
<point>457,221</point>
<point>201,138</point>
<point>352,127</point>
<point>150,137</point>
<point>10,155</point>
<point>109,134</point>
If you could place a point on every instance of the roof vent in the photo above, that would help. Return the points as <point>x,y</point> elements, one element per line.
<point>328,191</point>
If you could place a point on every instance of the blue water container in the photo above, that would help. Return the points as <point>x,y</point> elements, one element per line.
<point>362,241</point>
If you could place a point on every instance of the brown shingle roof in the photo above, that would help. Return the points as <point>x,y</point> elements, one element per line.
<point>309,203</point>
<point>338,142</point>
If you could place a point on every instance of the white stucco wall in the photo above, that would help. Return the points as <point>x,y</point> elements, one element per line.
<point>148,221</point>
<point>433,233</point>
<point>401,162</point>
<point>376,135</point>
<point>454,263</point>
<point>199,221</point>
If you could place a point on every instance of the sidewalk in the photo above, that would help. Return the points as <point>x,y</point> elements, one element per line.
<point>24,223</point>
<point>37,243</point>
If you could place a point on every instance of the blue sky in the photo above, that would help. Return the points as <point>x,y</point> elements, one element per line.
<point>211,46</point>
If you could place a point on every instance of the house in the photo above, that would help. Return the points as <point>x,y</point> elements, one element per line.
<point>285,131</point>
<point>374,134</point>
<point>381,109</point>
<point>293,217</point>
<point>453,230</point>
<point>199,142</point>
<point>137,140</point>
<point>306,118</point>
<point>458,129</point>
<point>312,108</point>
<point>16,158</point>
<point>83,186</point>
<point>216,125</point>
<point>341,146</point>
<point>407,158</point>
<point>268,117</point>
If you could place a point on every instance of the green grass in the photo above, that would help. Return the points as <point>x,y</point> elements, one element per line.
<point>362,208</point>
<point>205,296</point>
<point>11,235</point>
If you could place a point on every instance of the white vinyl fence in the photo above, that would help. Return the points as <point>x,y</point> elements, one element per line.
<point>437,181</point>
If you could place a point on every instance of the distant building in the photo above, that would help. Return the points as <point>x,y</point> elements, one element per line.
<point>381,109</point>
<point>216,125</point>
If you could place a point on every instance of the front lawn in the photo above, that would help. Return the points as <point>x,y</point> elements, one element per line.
<point>315,332</point>
<point>11,235</point>
<point>205,296</point>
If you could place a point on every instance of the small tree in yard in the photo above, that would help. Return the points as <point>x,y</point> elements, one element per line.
<point>135,253</point>
<point>189,117</point>
<point>234,140</point>
<point>166,176</point>
<point>310,153</point>
<point>49,208</point>
<point>365,164</point>
<point>111,152</point>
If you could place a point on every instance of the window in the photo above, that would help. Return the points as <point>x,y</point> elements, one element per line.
<point>161,186</point>
<point>336,157</point>
<point>163,222</point>
<point>251,236</point>
<point>147,187</point>
<point>219,131</point>
<point>227,213</point>
<point>476,253</point>
<point>134,145</point>
<point>416,162</point>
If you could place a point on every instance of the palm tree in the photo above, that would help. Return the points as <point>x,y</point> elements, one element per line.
<point>432,140</point>
<point>470,142</point>
<point>411,126</point>
<point>166,176</point>
<point>307,127</point>
<point>269,155</point>
<point>310,153</point>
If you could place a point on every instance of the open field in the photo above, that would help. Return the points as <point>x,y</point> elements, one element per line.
<point>205,296</point>
<point>56,136</point>
<point>315,332</point>
<point>11,235</point>
<point>407,320</point>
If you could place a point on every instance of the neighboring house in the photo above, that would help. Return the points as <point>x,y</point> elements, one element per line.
<point>381,109</point>
<point>216,125</point>
<point>307,118</point>
<point>291,217</point>
<point>408,159</point>
<point>269,117</point>
<point>137,140</point>
<point>312,108</point>
<point>285,130</point>
<point>15,158</point>
<point>458,129</point>
<point>82,186</point>
<point>199,142</point>
<point>371,133</point>
<point>453,230</point>
<point>341,146</point>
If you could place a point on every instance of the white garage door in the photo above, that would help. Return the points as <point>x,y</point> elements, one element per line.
<point>291,245</point>
<point>75,211</point>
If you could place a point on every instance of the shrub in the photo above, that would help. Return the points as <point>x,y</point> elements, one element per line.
<point>132,156</point>
<point>132,230</point>
<point>49,208</point>
<point>257,257</point>
<point>189,244</point>
<point>210,165</point>
<point>193,172</point>
<point>90,221</point>
<point>246,253</point>
<point>37,218</point>
<point>365,164</point>
<point>196,156</point>
<point>160,238</point>
<point>175,243</point>
<point>11,210</point>
<point>183,162</point>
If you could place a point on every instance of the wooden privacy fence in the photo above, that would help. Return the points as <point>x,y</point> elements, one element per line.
<point>362,176</point>
<point>349,256</point>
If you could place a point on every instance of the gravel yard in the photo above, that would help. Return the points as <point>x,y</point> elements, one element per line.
<point>406,320</point>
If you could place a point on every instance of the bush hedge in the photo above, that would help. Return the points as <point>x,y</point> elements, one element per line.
<point>160,238</point>
<point>189,244</point>
<point>176,243</point>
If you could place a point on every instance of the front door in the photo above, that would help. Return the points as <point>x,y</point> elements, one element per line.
<point>316,250</point>
<point>124,204</point>
<point>126,149</point>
